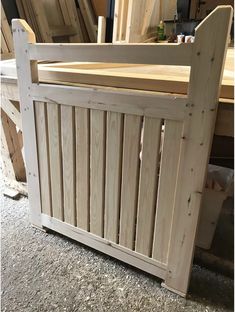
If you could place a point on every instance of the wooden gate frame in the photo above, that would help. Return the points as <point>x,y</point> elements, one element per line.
<point>197,111</point>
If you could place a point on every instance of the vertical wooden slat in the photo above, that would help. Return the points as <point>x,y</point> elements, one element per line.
<point>68,160</point>
<point>166,189</point>
<point>113,175</point>
<point>130,174</point>
<point>148,185</point>
<point>97,172</point>
<point>54,136</point>
<point>82,117</point>
<point>43,156</point>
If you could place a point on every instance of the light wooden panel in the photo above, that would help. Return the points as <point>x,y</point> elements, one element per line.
<point>151,53</point>
<point>54,136</point>
<point>97,159</point>
<point>113,175</point>
<point>148,185</point>
<point>68,160</point>
<point>130,175</point>
<point>82,122</point>
<point>166,189</point>
<point>43,156</point>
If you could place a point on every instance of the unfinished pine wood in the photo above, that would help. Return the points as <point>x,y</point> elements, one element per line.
<point>89,19</point>
<point>43,156</point>
<point>54,139</point>
<point>5,29</point>
<point>7,166</point>
<point>42,21</point>
<point>97,175</point>
<point>166,189</point>
<point>130,177</point>
<point>135,20</point>
<point>6,38</point>
<point>68,160</point>
<point>82,123</point>
<point>144,77</point>
<point>113,175</point>
<point>151,53</point>
<point>207,62</point>
<point>148,185</point>
<point>13,146</point>
<point>4,47</point>
<point>70,15</point>
<point>196,112</point>
<point>143,103</point>
<point>27,72</point>
<point>101,29</point>
<point>12,112</point>
<point>137,260</point>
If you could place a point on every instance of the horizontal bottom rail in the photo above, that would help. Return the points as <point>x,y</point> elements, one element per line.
<point>114,250</point>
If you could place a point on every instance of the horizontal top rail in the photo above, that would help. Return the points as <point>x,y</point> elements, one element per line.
<point>165,54</point>
<point>136,102</point>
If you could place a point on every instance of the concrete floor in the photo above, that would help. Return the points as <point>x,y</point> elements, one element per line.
<point>48,272</point>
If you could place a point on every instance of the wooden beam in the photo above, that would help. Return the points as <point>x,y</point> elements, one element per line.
<point>164,54</point>
<point>143,103</point>
<point>114,250</point>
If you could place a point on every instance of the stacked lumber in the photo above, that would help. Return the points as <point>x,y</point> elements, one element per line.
<point>60,20</point>
<point>137,20</point>
<point>6,37</point>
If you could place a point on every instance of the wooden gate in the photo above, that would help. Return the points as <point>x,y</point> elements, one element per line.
<point>122,170</point>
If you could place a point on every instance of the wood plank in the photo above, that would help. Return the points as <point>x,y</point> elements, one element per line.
<point>143,103</point>
<point>43,156</point>
<point>89,19</point>
<point>70,15</point>
<point>130,176</point>
<point>41,20</point>
<point>11,111</point>
<point>6,30</point>
<point>148,185</point>
<point>68,160</point>
<point>54,136</point>
<point>166,190</point>
<point>14,147</point>
<point>83,26</point>
<point>62,30</point>
<point>7,166</point>
<point>151,53</point>
<point>211,40</point>
<point>82,122</point>
<point>142,262</point>
<point>20,9</point>
<point>101,29</point>
<point>97,172</point>
<point>27,73</point>
<point>113,175</point>
<point>145,77</point>
<point>4,46</point>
